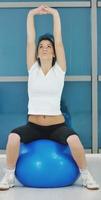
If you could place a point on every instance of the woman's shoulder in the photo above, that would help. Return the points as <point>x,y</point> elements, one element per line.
<point>34,65</point>
<point>59,68</point>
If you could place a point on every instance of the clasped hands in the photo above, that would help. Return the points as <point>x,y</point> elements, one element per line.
<point>43,9</point>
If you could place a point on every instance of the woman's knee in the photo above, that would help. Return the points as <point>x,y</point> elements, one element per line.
<point>73,140</point>
<point>13,138</point>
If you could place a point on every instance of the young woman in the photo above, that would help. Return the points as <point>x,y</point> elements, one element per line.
<point>46,71</point>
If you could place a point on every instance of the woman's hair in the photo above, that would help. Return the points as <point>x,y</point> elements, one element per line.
<point>49,37</point>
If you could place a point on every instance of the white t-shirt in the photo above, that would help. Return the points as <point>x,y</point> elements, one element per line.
<point>44,91</point>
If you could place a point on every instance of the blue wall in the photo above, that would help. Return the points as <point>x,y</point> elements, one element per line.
<point>76,32</point>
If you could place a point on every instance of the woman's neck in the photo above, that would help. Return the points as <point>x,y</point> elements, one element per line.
<point>46,64</point>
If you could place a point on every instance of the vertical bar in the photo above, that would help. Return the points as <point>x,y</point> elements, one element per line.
<point>94,76</point>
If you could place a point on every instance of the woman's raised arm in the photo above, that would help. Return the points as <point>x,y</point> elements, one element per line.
<point>59,48</point>
<point>31,44</point>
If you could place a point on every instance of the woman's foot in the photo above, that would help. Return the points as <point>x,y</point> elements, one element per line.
<point>8,181</point>
<point>88,181</point>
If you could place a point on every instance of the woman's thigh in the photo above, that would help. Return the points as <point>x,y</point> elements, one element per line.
<point>62,133</point>
<point>28,132</point>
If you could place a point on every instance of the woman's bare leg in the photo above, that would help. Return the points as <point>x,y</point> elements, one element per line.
<point>78,154</point>
<point>77,151</point>
<point>12,150</point>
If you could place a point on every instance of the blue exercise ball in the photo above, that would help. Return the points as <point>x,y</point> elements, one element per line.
<point>46,164</point>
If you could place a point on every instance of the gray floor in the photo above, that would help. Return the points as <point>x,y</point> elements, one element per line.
<point>65,193</point>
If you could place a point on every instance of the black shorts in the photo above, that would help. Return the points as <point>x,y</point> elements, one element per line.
<point>31,131</point>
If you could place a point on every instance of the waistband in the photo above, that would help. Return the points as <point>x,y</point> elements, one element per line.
<point>53,125</point>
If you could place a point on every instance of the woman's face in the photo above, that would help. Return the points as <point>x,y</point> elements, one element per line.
<point>45,50</point>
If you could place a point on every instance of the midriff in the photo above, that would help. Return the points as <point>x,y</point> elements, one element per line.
<point>46,120</point>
